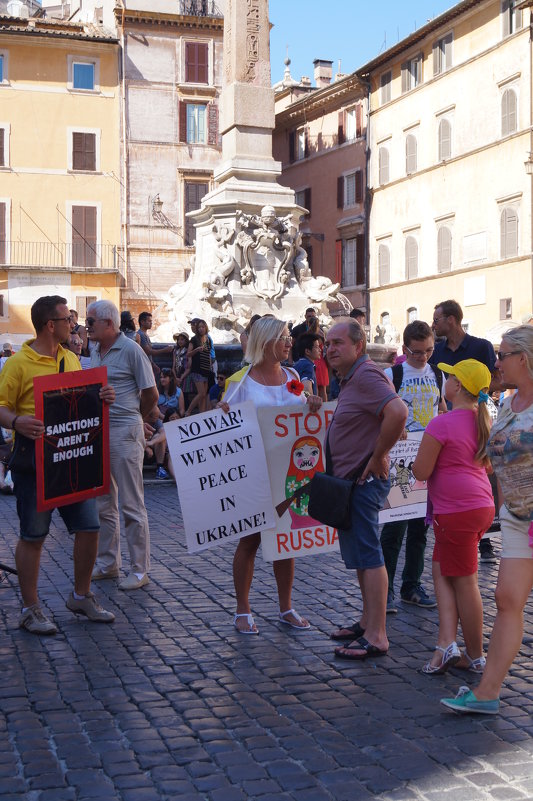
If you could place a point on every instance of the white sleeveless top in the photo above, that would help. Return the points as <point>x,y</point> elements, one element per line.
<point>260,395</point>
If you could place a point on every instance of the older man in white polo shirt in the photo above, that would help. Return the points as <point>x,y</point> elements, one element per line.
<point>130,373</point>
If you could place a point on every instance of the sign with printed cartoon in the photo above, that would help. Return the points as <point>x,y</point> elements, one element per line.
<point>407,498</point>
<point>221,475</point>
<point>294,445</point>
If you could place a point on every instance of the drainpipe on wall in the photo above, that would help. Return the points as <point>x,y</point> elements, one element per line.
<point>367,201</point>
<point>124,183</point>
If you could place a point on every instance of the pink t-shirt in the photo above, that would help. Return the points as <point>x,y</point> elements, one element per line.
<point>458,483</point>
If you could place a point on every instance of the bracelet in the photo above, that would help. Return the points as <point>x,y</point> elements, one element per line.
<point>14,420</point>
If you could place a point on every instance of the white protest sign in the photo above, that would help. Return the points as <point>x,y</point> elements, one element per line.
<point>221,475</point>
<point>408,497</point>
<point>294,445</point>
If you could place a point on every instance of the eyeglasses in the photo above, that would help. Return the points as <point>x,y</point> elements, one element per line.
<point>426,352</point>
<point>93,320</point>
<point>286,340</point>
<point>58,319</point>
<point>501,356</point>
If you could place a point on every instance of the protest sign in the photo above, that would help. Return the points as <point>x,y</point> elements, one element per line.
<point>72,457</point>
<point>407,498</point>
<point>294,445</point>
<point>221,474</point>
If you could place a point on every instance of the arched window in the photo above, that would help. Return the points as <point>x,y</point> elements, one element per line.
<point>509,109</point>
<point>411,258</point>
<point>444,250</point>
<point>383,265</point>
<point>383,165</point>
<point>508,233</point>
<point>412,314</point>
<point>410,154</point>
<point>445,140</point>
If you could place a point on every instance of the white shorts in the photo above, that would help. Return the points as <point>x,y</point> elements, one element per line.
<point>515,539</point>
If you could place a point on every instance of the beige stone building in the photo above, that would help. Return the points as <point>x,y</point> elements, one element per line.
<point>320,139</point>
<point>450,169</point>
<point>60,188</point>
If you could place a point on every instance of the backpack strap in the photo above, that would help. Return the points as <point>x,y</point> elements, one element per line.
<point>438,378</point>
<point>397,376</point>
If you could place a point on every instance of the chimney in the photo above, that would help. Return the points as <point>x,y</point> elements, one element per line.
<point>323,72</point>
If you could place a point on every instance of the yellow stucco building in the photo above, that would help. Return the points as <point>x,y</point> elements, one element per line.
<point>60,189</point>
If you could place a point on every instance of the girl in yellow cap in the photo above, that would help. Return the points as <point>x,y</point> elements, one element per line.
<point>452,458</point>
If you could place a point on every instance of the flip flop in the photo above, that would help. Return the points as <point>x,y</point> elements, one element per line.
<point>355,632</point>
<point>250,621</point>
<point>295,614</point>
<point>362,645</point>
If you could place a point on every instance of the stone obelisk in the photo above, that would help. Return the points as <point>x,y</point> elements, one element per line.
<point>248,174</point>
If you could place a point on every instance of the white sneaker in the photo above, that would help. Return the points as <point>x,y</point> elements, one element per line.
<point>131,582</point>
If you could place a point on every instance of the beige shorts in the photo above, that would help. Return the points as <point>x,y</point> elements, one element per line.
<point>515,539</point>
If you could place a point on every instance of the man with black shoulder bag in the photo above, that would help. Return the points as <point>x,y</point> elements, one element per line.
<point>368,421</point>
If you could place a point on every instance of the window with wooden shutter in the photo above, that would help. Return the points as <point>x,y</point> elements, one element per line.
<point>383,265</point>
<point>442,54</point>
<point>341,128</point>
<point>509,115</point>
<point>196,62</point>
<point>292,146</point>
<point>84,228</point>
<point>196,124</point>
<point>338,261</point>
<point>82,302</point>
<point>340,192</point>
<point>444,250</point>
<point>410,154</point>
<point>445,140</point>
<point>84,151</point>
<point>385,87</point>
<point>508,233</point>
<point>349,262</point>
<point>306,142</point>
<point>511,17</point>
<point>360,260</point>
<point>358,120</point>
<point>3,232</point>
<point>2,145</point>
<point>182,115</point>
<point>359,186</point>
<point>411,258</point>
<point>349,190</point>
<point>194,192</point>
<point>212,126</point>
<point>383,165</point>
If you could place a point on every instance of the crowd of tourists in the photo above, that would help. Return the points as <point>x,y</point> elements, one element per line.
<point>472,409</point>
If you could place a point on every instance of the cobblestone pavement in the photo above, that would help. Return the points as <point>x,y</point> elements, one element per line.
<point>171,703</point>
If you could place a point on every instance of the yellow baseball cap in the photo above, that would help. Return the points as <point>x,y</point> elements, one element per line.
<point>473,375</point>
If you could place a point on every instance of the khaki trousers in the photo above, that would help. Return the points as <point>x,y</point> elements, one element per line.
<point>126,452</point>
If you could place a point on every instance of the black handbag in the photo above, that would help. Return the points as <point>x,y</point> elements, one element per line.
<point>330,498</point>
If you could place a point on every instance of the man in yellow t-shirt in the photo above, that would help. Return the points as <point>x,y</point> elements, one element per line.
<point>45,356</point>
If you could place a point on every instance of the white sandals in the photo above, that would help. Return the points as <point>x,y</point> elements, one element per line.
<point>251,623</point>
<point>474,665</point>
<point>450,656</point>
<point>296,616</point>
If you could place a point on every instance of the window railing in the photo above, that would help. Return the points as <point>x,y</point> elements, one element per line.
<point>61,255</point>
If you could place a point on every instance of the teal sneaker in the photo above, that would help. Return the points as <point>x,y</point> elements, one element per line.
<point>465,701</point>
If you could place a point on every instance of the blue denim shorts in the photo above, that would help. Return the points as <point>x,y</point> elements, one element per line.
<point>360,545</point>
<point>34,525</point>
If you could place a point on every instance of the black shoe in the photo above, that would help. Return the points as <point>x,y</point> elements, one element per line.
<point>487,555</point>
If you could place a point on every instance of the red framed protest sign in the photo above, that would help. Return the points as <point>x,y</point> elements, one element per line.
<point>72,456</point>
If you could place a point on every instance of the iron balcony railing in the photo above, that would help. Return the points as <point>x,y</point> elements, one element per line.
<point>61,255</point>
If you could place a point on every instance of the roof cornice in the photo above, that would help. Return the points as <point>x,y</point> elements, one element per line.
<point>438,22</point>
<point>130,16</point>
<point>315,103</point>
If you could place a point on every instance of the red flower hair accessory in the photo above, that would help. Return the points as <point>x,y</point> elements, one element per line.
<point>294,386</point>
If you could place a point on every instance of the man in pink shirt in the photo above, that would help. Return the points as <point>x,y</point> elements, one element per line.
<point>368,421</point>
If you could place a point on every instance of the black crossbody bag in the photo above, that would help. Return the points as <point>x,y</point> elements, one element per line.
<point>22,459</point>
<point>330,498</point>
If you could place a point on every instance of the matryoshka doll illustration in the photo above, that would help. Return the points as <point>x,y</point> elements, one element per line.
<point>306,460</point>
